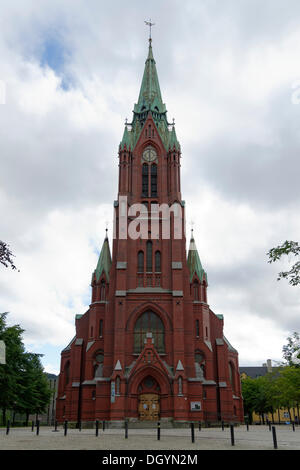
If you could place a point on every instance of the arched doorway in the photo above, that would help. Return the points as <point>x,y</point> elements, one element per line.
<point>149,399</point>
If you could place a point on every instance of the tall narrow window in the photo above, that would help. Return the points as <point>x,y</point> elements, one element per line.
<point>180,385</point>
<point>196,291</point>
<point>140,262</point>
<point>102,290</point>
<point>153,180</point>
<point>157,262</point>
<point>101,328</point>
<point>149,256</point>
<point>145,183</point>
<point>197,328</point>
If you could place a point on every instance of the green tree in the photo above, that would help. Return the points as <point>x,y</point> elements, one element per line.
<point>291,350</point>
<point>10,372</point>
<point>287,248</point>
<point>23,384</point>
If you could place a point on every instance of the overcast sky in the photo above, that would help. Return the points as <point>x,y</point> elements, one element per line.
<point>70,73</point>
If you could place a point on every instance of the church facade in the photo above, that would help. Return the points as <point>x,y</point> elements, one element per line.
<point>149,347</point>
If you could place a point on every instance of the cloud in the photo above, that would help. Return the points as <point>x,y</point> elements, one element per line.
<point>72,72</point>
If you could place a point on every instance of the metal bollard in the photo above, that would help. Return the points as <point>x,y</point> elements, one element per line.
<point>79,425</point>
<point>247,425</point>
<point>103,425</point>
<point>274,437</point>
<point>293,424</point>
<point>126,429</point>
<point>192,432</point>
<point>97,428</point>
<point>32,426</point>
<point>65,428</point>
<point>269,425</point>
<point>199,425</point>
<point>222,425</point>
<point>37,427</point>
<point>158,431</point>
<point>7,427</point>
<point>232,434</point>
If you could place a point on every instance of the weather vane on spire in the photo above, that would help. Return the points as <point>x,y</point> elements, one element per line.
<point>150,24</point>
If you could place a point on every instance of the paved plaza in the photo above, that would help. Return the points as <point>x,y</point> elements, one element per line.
<point>257,438</point>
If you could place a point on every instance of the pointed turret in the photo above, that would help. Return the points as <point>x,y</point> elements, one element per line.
<point>104,262</point>
<point>193,261</point>
<point>173,142</point>
<point>150,96</point>
<point>150,101</point>
<point>126,140</point>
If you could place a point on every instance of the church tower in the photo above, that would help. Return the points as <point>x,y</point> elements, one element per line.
<point>149,347</point>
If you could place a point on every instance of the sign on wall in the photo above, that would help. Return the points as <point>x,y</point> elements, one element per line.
<point>2,352</point>
<point>113,392</point>
<point>195,405</point>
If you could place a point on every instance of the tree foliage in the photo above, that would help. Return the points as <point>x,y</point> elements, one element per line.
<point>23,384</point>
<point>6,256</point>
<point>287,248</point>
<point>276,389</point>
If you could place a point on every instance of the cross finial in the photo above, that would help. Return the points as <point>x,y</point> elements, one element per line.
<point>150,24</point>
<point>173,122</point>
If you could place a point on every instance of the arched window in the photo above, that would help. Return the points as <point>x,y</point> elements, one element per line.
<point>102,290</point>
<point>146,323</point>
<point>140,262</point>
<point>231,376</point>
<point>196,290</point>
<point>197,328</point>
<point>180,385</point>
<point>149,256</point>
<point>154,180</point>
<point>98,364</point>
<point>157,262</point>
<point>145,180</point>
<point>118,385</point>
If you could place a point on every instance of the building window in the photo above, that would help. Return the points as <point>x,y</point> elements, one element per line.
<point>102,290</point>
<point>196,291</point>
<point>101,328</point>
<point>149,322</point>
<point>67,372</point>
<point>231,376</point>
<point>197,329</point>
<point>153,180</point>
<point>145,180</point>
<point>118,384</point>
<point>180,386</point>
<point>149,257</point>
<point>157,262</point>
<point>140,262</point>
<point>98,364</point>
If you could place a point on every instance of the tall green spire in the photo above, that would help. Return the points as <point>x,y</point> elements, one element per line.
<point>104,262</point>
<point>193,261</point>
<point>150,96</point>
<point>150,100</point>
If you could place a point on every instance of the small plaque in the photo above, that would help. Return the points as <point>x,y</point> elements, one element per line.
<point>195,405</point>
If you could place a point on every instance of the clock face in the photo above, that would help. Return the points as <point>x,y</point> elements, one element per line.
<point>149,154</point>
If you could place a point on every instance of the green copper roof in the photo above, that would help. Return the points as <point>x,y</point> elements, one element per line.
<point>149,100</point>
<point>150,96</point>
<point>104,262</point>
<point>194,263</point>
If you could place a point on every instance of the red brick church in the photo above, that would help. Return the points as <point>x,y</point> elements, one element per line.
<point>149,347</point>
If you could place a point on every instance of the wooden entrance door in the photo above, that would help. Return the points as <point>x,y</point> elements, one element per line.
<point>149,407</point>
